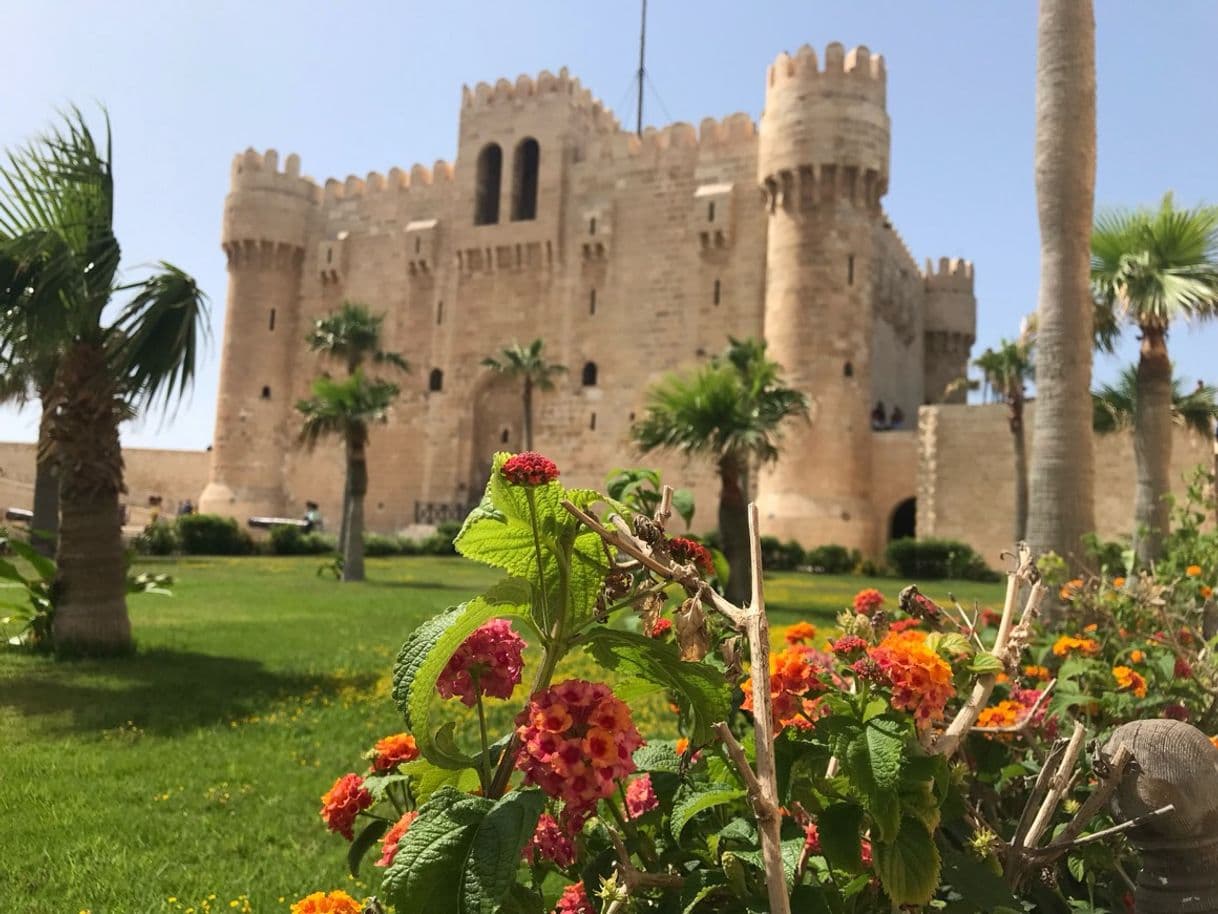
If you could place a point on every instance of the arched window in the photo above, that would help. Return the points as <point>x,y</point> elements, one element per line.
<point>504,436</point>
<point>589,374</point>
<point>486,187</point>
<point>524,179</point>
<point>266,393</point>
<point>904,520</point>
<point>435,381</point>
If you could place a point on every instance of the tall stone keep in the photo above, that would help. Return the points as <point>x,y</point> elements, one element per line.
<point>267,217</point>
<point>823,167</point>
<point>950,328</point>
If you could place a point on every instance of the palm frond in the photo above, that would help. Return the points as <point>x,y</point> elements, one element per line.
<point>353,335</point>
<point>1114,405</point>
<point>525,362</point>
<point>344,407</point>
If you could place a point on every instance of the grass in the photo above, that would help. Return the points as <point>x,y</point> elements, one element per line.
<point>186,778</point>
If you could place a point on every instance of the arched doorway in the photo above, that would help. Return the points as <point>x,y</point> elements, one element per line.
<point>497,410</point>
<point>904,520</point>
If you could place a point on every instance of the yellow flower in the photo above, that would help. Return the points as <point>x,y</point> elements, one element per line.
<point>1090,628</point>
<point>1067,644</point>
<point>1193,571</point>
<point>1129,680</point>
<point>1136,656</point>
<point>1036,672</point>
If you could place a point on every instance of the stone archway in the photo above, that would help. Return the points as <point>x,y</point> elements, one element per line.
<point>904,520</point>
<point>496,417</point>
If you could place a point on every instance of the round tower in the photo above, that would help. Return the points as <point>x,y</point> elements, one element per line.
<point>949,329</point>
<point>823,166</point>
<point>266,221</point>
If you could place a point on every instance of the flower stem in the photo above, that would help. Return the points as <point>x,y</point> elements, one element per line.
<point>541,573</point>
<point>645,850</point>
<point>484,768</point>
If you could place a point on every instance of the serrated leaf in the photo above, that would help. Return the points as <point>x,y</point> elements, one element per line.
<point>494,854</point>
<point>985,663</point>
<point>691,801</point>
<point>428,778</point>
<point>952,644</point>
<point>791,850</point>
<point>426,876</point>
<point>839,827</point>
<point>657,756</point>
<point>909,866</point>
<point>643,663</point>
<point>885,739</point>
<point>425,655</point>
<point>363,842</point>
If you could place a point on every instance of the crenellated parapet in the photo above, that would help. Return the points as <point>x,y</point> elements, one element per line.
<point>546,87</point>
<point>949,327</point>
<point>952,274</point>
<point>824,135</point>
<point>267,211</point>
<point>396,181</point>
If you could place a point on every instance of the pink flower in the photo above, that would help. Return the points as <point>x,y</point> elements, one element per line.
<point>1176,712</point>
<point>393,837</point>
<point>812,838</point>
<point>1182,669</point>
<point>848,644</point>
<point>690,552</point>
<point>640,797</point>
<point>529,469</point>
<point>660,628</point>
<point>577,741</point>
<point>550,843</point>
<point>574,900</point>
<point>488,662</point>
<point>345,800</point>
<point>867,601</point>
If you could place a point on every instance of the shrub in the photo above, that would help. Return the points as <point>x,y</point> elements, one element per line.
<point>156,539</point>
<point>832,559</point>
<point>933,559</point>
<point>377,545</point>
<point>1108,556</point>
<point>441,542</point>
<point>779,556</point>
<point>211,534</point>
<point>290,540</point>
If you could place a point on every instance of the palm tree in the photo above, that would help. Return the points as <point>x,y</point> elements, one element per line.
<point>526,365</point>
<point>1153,267</point>
<point>1006,371</point>
<point>1061,476</point>
<point>729,410</point>
<point>57,239</point>
<point>345,408</point>
<point>352,335</point>
<point>1116,404</point>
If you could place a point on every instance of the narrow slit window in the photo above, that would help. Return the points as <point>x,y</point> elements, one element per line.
<point>439,313</point>
<point>592,423</point>
<point>418,245</point>
<point>435,381</point>
<point>710,211</point>
<point>592,226</point>
<point>848,370</point>
<point>589,374</point>
<point>850,270</point>
<point>592,301</point>
<point>503,436</point>
<point>717,292</point>
<point>271,322</point>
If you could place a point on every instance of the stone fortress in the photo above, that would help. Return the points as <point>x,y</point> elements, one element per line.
<point>629,256</point>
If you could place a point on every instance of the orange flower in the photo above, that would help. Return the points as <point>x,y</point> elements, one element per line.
<point>1206,591</point>
<point>682,746</point>
<point>1071,589</point>
<point>1067,644</point>
<point>338,902</point>
<point>921,680</point>
<point>345,800</point>
<point>1004,714</point>
<point>800,633</point>
<point>1214,740</point>
<point>1036,672</point>
<point>1118,583</point>
<point>1193,571</point>
<point>1136,656</point>
<point>793,678</point>
<point>1089,629</point>
<point>391,751</point>
<point>1128,680</point>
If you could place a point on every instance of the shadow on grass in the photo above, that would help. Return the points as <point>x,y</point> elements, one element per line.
<point>162,692</point>
<point>416,585</point>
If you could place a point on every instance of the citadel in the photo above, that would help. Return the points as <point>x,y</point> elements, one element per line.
<point>630,256</point>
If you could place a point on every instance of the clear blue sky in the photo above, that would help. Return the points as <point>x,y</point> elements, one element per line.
<point>356,87</point>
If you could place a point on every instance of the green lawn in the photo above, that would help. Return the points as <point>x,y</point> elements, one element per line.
<point>188,776</point>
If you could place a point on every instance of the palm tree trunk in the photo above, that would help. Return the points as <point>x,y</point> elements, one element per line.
<point>346,510</point>
<point>44,528</point>
<point>91,577</point>
<point>528,414</point>
<point>734,528</point>
<point>1061,478</point>
<point>1152,430</point>
<point>357,485</point>
<point>1019,438</point>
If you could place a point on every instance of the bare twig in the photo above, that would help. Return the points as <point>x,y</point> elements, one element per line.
<point>1039,789</point>
<point>664,510</point>
<point>633,878</point>
<point>1057,787</point>
<point>1099,797</point>
<point>1058,847</point>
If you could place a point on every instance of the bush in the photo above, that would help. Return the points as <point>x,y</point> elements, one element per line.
<point>156,539</point>
<point>933,559</point>
<point>376,545</point>
<point>1108,556</point>
<point>779,556</point>
<point>290,540</point>
<point>441,542</point>
<point>832,559</point>
<point>211,534</point>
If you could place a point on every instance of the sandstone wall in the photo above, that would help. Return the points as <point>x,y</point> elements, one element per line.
<point>966,479</point>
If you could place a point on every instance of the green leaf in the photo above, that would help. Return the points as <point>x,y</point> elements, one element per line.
<point>909,866</point>
<point>424,656</point>
<point>985,663</point>
<point>9,572</point>
<point>586,576</point>
<point>363,842</point>
<point>691,801</point>
<point>643,663</point>
<point>839,826</point>
<point>791,850</point>
<point>885,747</point>
<point>427,875</point>
<point>494,855</point>
<point>43,565</point>
<point>979,887</point>
<point>657,756</point>
<point>683,504</point>
<point>428,778</point>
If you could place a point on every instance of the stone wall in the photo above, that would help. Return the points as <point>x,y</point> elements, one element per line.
<point>966,479</point>
<point>174,475</point>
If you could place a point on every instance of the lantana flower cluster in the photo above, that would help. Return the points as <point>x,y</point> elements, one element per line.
<point>489,662</point>
<point>920,679</point>
<point>691,552</point>
<point>345,800</point>
<point>574,900</point>
<point>795,681</point>
<point>577,741</point>
<point>1129,680</point>
<point>867,601</point>
<point>389,844</point>
<point>1069,644</point>
<point>529,469</point>
<point>392,751</point>
<point>337,902</point>
<point>549,842</point>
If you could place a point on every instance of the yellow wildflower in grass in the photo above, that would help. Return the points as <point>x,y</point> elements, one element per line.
<point>1068,644</point>
<point>1193,571</point>
<point>1137,656</point>
<point>1129,680</point>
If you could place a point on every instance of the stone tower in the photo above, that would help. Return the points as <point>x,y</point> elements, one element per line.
<point>949,328</point>
<point>267,218</point>
<point>823,167</point>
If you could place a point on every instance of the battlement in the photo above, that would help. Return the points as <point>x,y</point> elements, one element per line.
<point>545,86</point>
<point>252,170</point>
<point>734,132</point>
<point>858,65</point>
<point>397,180</point>
<point>952,274</point>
